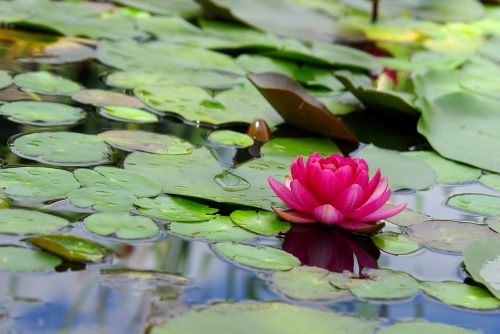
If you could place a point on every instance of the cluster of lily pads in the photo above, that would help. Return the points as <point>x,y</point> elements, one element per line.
<point>427,61</point>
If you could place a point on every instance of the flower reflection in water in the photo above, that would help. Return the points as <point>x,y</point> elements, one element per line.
<point>331,248</point>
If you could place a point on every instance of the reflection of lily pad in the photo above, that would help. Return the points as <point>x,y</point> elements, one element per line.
<point>175,209</point>
<point>103,98</point>
<point>264,257</point>
<point>230,138</point>
<point>70,247</point>
<point>5,79</point>
<point>37,182</point>
<point>62,148</point>
<point>260,222</point>
<point>127,114</point>
<point>447,235</point>
<point>102,199</point>
<point>482,261</point>
<point>151,142</point>
<point>395,243</point>
<point>476,203</point>
<point>19,221</point>
<point>419,327</point>
<point>122,225</point>
<point>41,113</point>
<point>384,284</point>
<point>21,259</point>
<point>461,295</point>
<point>218,229</point>
<point>307,283</point>
<point>46,83</point>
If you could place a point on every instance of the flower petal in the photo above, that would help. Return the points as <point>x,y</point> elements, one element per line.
<point>327,214</point>
<point>296,216</point>
<point>371,206</point>
<point>297,168</point>
<point>360,226</point>
<point>384,212</point>
<point>345,175</point>
<point>349,199</point>
<point>283,193</point>
<point>307,202</point>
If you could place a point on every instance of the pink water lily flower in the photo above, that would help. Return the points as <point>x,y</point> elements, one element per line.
<point>335,191</point>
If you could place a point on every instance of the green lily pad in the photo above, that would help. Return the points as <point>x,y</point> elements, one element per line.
<point>417,327</point>
<point>4,201</point>
<point>491,180</point>
<point>258,63</point>
<point>461,295</point>
<point>307,283</point>
<point>408,217</point>
<point>230,138</point>
<point>121,225</point>
<point>130,140</point>
<point>264,318</point>
<point>62,148</point>
<point>260,222</point>
<point>118,178</point>
<point>127,114</point>
<point>448,235</point>
<point>19,221</point>
<point>395,243</point>
<point>5,78</point>
<point>220,228</point>
<point>11,12</point>
<point>41,113</point>
<point>176,209</point>
<point>64,51</point>
<point>482,80</point>
<point>104,98</point>
<point>396,167</point>
<point>37,182</point>
<point>476,203</point>
<point>384,284</point>
<point>102,199</point>
<point>482,261</point>
<point>186,8</point>
<point>447,171</point>
<point>71,248</point>
<point>132,79</point>
<point>263,257</point>
<point>493,223</point>
<point>46,83</point>
<point>19,259</point>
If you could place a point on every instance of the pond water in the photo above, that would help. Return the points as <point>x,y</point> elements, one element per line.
<point>92,298</point>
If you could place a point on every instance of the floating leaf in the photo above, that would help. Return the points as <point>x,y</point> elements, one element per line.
<point>476,203</point>
<point>408,217</point>
<point>230,138</point>
<point>448,235</point>
<point>37,182</point>
<point>493,223</point>
<point>230,182</point>
<point>11,12</point>
<point>41,113</point>
<point>218,229</point>
<point>461,295</point>
<point>384,284</point>
<point>418,327</point>
<point>4,201</point>
<point>265,318</point>
<point>151,142</point>
<point>5,78</point>
<point>177,209</point>
<point>122,225</point>
<point>187,8</point>
<point>102,199</point>
<point>482,261</point>
<point>70,247</point>
<point>19,259</point>
<point>396,167</point>
<point>307,283</point>
<point>447,171</point>
<point>132,79</point>
<point>19,221</point>
<point>263,257</point>
<point>62,52</point>
<point>103,98</point>
<point>46,83</point>
<point>260,222</point>
<point>62,148</point>
<point>395,243</point>
<point>491,180</point>
<point>127,114</point>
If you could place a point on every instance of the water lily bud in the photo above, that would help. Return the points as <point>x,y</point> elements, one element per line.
<point>259,130</point>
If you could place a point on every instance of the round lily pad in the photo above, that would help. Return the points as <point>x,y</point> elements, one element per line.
<point>220,228</point>
<point>395,243</point>
<point>130,140</point>
<point>5,79</point>
<point>127,114</point>
<point>476,203</point>
<point>118,178</point>
<point>46,83</point>
<point>491,180</point>
<point>482,261</point>
<point>19,221</point>
<point>461,295</point>
<point>102,199</point>
<point>62,148</point>
<point>122,225</point>
<point>103,98</point>
<point>448,235</point>
<point>419,327</point>
<point>230,138</point>
<point>260,222</point>
<point>41,113</point>
<point>70,247</point>
<point>21,259</point>
<point>176,209</point>
<point>132,79</point>
<point>37,182</point>
<point>307,283</point>
<point>384,284</point>
<point>263,257</point>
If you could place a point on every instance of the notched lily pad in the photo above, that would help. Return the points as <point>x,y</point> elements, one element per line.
<point>122,225</point>
<point>127,114</point>
<point>230,138</point>
<point>482,204</point>
<point>41,113</point>
<point>19,259</point>
<point>220,228</point>
<point>395,243</point>
<point>19,221</point>
<point>260,222</point>
<point>384,284</point>
<point>103,98</point>
<point>46,83</point>
<point>176,209</point>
